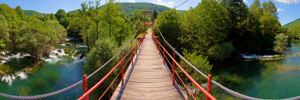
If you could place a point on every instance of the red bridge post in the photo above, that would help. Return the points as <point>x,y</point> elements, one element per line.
<point>164,53</point>
<point>173,67</point>
<point>85,85</point>
<point>208,85</point>
<point>131,54</point>
<point>122,67</point>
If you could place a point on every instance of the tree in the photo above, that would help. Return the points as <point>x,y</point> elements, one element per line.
<point>4,32</point>
<point>280,43</point>
<point>203,27</point>
<point>85,21</point>
<point>200,62</point>
<point>169,24</point>
<point>15,25</point>
<point>96,17</point>
<point>60,14</point>
<point>221,51</point>
<point>294,32</point>
<point>269,7</point>
<point>269,29</point>
<point>117,28</point>
<point>155,13</point>
<point>236,17</point>
<point>20,12</point>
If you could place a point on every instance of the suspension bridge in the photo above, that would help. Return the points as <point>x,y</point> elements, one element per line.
<point>146,72</point>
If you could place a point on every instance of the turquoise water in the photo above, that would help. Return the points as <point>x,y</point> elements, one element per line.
<point>263,79</point>
<point>51,76</point>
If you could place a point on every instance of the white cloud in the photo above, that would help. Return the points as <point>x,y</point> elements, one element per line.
<point>168,4</point>
<point>246,1</point>
<point>288,1</point>
<point>131,1</point>
<point>279,9</point>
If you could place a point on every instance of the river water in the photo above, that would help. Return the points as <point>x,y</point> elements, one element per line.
<point>54,74</point>
<point>51,76</point>
<point>263,79</point>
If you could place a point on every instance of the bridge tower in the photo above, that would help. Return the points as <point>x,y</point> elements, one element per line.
<point>148,24</point>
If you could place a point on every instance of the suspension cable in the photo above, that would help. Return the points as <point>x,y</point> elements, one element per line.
<point>181,4</point>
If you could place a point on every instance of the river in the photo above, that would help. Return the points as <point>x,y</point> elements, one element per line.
<point>54,74</point>
<point>263,79</point>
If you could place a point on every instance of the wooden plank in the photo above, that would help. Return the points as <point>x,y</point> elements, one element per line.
<point>149,79</point>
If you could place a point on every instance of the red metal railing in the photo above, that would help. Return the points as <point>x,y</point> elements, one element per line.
<point>86,94</point>
<point>174,62</point>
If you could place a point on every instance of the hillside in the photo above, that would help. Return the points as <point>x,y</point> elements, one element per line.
<point>32,12</point>
<point>292,24</point>
<point>129,8</point>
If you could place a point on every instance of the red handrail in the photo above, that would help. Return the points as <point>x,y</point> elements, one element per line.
<point>114,80</point>
<point>186,74</point>
<point>108,74</point>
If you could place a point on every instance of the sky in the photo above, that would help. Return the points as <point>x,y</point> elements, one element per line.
<point>288,10</point>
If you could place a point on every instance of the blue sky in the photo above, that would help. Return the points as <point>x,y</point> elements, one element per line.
<point>289,10</point>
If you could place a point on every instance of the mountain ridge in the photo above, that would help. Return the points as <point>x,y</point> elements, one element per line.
<point>126,7</point>
<point>292,24</point>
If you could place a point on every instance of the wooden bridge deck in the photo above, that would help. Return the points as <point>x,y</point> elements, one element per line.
<point>148,79</point>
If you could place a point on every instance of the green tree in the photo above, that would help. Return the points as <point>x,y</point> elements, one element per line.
<point>15,25</point>
<point>200,62</point>
<point>84,23</point>
<point>60,14</point>
<point>155,13</point>
<point>169,24</point>
<point>269,29</point>
<point>117,28</point>
<point>221,51</point>
<point>294,32</point>
<point>4,32</point>
<point>75,26</point>
<point>95,6</point>
<point>269,7</point>
<point>280,43</point>
<point>20,12</point>
<point>203,27</point>
<point>236,14</point>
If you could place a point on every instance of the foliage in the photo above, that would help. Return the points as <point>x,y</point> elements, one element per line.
<point>4,32</point>
<point>269,7</point>
<point>155,13</point>
<point>294,32</point>
<point>129,8</point>
<point>292,24</point>
<point>280,43</point>
<point>199,61</point>
<point>207,29</point>
<point>29,33</point>
<point>236,14</point>
<point>221,51</point>
<point>33,13</point>
<point>69,52</point>
<point>5,69</point>
<point>169,24</point>
<point>101,53</point>
<point>61,16</point>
